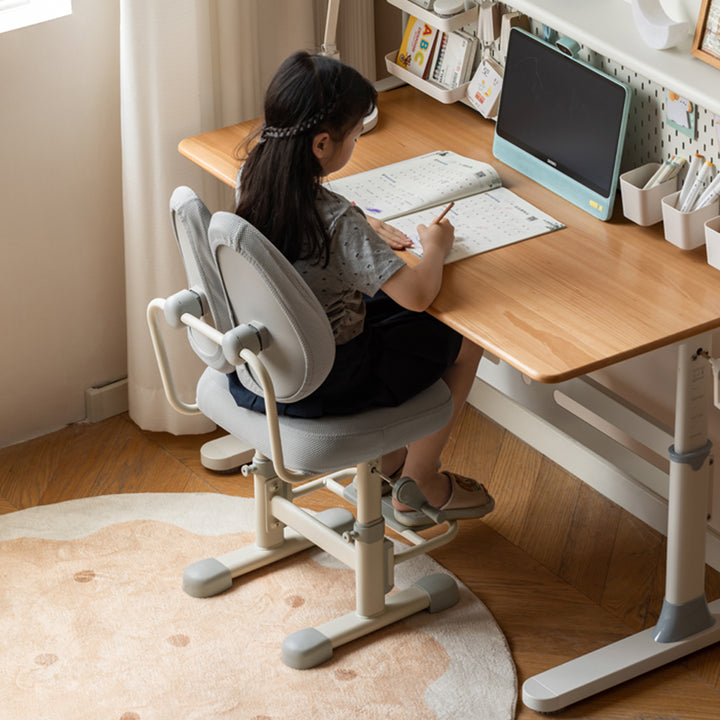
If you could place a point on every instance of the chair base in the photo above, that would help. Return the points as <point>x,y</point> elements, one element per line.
<point>211,576</point>
<point>311,647</point>
<point>226,454</point>
<point>357,540</point>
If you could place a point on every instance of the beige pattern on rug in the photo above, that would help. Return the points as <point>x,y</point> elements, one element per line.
<point>95,625</point>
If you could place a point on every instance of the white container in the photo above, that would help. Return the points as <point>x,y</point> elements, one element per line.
<point>712,241</point>
<point>643,206</point>
<point>686,229</point>
<point>433,89</point>
<point>447,24</point>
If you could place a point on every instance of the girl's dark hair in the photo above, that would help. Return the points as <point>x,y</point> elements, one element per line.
<point>309,94</point>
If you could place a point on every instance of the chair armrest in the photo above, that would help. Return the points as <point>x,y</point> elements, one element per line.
<point>240,345</point>
<point>154,308</point>
<point>185,301</point>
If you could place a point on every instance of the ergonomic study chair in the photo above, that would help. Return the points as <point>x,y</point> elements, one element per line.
<point>248,311</point>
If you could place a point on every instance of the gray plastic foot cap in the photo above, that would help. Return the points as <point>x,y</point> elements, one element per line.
<point>206,578</point>
<point>441,589</point>
<point>305,649</point>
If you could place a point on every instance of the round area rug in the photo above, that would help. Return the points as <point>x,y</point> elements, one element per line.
<point>95,626</point>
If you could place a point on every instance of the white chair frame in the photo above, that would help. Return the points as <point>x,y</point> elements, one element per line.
<point>283,528</point>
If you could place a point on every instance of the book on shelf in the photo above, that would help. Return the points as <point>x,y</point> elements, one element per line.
<point>415,191</point>
<point>484,88</point>
<point>417,47</point>
<point>453,59</point>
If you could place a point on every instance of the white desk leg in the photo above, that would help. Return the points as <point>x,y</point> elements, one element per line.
<point>686,623</point>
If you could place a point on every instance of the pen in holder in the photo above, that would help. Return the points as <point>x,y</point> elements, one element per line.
<point>643,206</point>
<point>686,229</point>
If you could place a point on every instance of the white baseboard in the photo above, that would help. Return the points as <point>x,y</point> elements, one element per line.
<point>106,401</point>
<point>609,480</point>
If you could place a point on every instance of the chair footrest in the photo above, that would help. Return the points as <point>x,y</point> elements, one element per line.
<point>350,494</point>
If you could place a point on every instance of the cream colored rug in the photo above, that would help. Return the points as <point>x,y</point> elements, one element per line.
<point>94,625</point>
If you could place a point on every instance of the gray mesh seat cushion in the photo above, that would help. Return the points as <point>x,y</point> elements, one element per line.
<point>321,445</point>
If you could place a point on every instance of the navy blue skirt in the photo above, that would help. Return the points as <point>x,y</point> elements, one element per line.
<point>399,354</point>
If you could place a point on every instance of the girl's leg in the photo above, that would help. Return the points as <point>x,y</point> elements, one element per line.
<point>393,461</point>
<point>423,456</point>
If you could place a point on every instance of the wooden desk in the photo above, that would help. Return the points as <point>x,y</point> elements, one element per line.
<point>556,307</point>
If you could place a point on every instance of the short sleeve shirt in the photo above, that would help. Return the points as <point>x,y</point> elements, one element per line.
<point>360,263</point>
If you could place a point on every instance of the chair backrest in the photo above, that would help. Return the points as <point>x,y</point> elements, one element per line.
<point>261,286</point>
<point>190,221</point>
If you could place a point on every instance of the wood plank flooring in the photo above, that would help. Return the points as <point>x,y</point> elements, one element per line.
<point>563,570</point>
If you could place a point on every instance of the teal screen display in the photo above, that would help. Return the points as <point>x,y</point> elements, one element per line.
<point>563,113</point>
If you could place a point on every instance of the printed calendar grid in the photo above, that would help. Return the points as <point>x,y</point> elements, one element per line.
<point>482,222</point>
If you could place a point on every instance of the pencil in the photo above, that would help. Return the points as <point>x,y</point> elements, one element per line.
<point>442,214</point>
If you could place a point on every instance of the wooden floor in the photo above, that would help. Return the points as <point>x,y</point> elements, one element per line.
<point>563,570</point>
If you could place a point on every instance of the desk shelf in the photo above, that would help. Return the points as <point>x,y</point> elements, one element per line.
<point>433,89</point>
<point>608,28</point>
<point>446,24</point>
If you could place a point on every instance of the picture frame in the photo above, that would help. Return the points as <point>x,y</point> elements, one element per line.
<point>706,42</point>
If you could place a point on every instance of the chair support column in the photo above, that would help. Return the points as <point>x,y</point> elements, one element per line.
<point>370,547</point>
<point>269,530</point>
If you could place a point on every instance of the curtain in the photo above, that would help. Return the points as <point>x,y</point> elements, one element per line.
<point>190,66</point>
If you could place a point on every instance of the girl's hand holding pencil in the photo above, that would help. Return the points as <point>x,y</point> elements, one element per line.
<point>443,214</point>
<point>439,233</point>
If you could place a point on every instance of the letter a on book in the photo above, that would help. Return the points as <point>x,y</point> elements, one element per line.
<point>417,47</point>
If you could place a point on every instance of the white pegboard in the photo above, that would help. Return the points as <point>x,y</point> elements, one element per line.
<point>649,138</point>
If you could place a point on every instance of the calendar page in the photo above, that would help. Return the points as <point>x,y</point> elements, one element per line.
<point>421,182</point>
<point>482,222</point>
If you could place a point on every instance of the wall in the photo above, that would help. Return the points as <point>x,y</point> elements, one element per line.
<point>63,306</point>
<point>388,33</point>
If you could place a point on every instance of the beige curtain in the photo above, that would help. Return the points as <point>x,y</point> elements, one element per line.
<point>190,66</point>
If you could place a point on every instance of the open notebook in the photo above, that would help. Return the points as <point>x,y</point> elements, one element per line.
<point>485,215</point>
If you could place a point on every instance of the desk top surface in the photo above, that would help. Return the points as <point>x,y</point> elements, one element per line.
<point>556,306</point>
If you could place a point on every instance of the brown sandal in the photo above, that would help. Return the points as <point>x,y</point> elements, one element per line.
<point>468,499</point>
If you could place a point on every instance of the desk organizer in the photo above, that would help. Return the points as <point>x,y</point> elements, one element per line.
<point>685,229</point>
<point>712,241</point>
<point>429,87</point>
<point>643,206</point>
<point>446,24</point>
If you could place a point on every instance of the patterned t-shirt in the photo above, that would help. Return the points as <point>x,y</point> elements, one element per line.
<point>360,263</point>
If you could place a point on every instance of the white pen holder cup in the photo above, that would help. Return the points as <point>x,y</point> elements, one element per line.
<point>686,229</point>
<point>712,241</point>
<point>643,206</point>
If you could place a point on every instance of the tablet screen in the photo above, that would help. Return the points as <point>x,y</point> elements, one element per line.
<point>563,113</point>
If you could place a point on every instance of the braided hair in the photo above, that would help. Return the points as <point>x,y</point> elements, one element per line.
<point>309,94</point>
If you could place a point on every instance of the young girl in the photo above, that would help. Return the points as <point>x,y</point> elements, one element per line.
<point>388,348</point>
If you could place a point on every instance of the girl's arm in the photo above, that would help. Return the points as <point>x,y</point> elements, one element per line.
<point>416,287</point>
